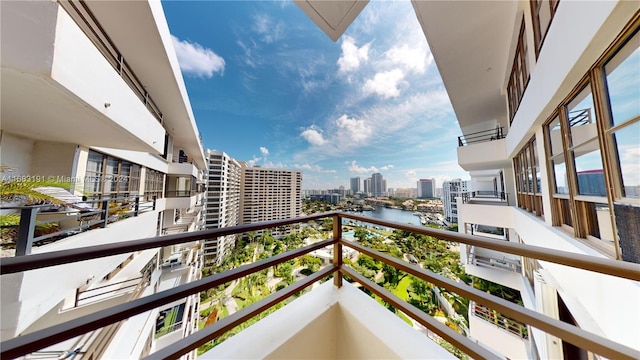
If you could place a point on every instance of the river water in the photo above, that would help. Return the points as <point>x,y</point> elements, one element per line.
<point>383,213</point>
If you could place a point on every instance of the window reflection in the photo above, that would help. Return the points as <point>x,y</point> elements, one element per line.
<point>623,79</point>
<point>627,144</point>
<point>589,171</point>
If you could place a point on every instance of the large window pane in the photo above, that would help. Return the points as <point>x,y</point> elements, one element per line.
<point>555,137</point>
<point>589,171</point>
<point>623,82</point>
<point>627,150</point>
<point>582,118</point>
<point>560,176</point>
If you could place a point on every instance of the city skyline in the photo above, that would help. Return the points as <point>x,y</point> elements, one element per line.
<point>371,102</point>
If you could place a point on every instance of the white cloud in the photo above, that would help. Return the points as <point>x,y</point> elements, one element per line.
<point>361,170</point>
<point>385,84</point>
<point>352,56</point>
<point>414,59</point>
<point>411,174</point>
<point>264,151</point>
<point>196,59</point>
<point>386,167</point>
<point>316,168</point>
<point>270,30</point>
<point>352,129</point>
<point>313,135</point>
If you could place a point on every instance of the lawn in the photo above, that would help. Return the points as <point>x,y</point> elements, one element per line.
<point>401,290</point>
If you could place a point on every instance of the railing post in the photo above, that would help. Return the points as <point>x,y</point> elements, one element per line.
<point>337,250</point>
<point>459,141</point>
<point>136,206</point>
<point>25,230</point>
<point>154,202</point>
<point>105,213</point>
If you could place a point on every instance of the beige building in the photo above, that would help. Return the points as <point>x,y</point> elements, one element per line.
<point>270,194</point>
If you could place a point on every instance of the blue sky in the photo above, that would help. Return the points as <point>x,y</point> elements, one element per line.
<point>267,86</point>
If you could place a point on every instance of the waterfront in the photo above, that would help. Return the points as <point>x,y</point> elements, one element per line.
<point>388,214</point>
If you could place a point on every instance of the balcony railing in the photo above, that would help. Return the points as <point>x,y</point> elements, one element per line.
<point>486,196</point>
<point>40,339</point>
<point>180,193</point>
<point>481,136</point>
<point>82,15</point>
<point>511,326</point>
<point>94,214</point>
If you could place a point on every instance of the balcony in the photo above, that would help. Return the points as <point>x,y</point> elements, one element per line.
<point>355,319</point>
<point>483,150</point>
<point>49,72</point>
<point>42,225</point>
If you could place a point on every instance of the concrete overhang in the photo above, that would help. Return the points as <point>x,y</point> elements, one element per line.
<point>140,32</point>
<point>332,17</point>
<point>471,42</point>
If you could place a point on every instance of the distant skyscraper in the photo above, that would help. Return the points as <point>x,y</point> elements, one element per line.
<point>355,185</point>
<point>426,188</point>
<point>377,185</point>
<point>450,190</point>
<point>270,194</point>
<point>222,203</point>
<point>367,186</point>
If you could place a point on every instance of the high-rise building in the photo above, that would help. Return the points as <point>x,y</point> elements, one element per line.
<point>81,103</point>
<point>270,194</point>
<point>377,185</point>
<point>426,188</point>
<point>222,203</point>
<point>450,190</point>
<point>355,185</point>
<point>367,186</point>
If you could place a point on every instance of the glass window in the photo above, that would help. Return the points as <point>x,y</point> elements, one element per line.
<point>542,12</point>
<point>627,152</point>
<point>519,77</point>
<point>623,82</point>
<point>589,170</point>
<point>582,118</point>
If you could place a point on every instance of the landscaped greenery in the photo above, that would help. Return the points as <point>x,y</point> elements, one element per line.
<point>433,254</point>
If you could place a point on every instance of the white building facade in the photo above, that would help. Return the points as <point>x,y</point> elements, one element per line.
<point>452,189</point>
<point>548,108</point>
<point>222,203</point>
<point>81,104</point>
<point>270,194</point>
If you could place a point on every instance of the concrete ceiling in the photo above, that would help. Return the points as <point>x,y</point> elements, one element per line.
<point>28,99</point>
<point>470,42</point>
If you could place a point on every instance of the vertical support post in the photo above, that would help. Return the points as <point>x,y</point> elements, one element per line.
<point>136,206</point>
<point>25,230</point>
<point>337,250</point>
<point>154,202</point>
<point>105,213</point>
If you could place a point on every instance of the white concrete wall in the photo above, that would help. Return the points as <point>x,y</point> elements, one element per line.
<point>52,159</point>
<point>79,66</point>
<point>28,296</point>
<point>484,155</point>
<point>491,215</point>
<point>15,153</point>
<point>498,339</point>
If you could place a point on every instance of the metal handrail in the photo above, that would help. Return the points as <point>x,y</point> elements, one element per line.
<point>39,339</point>
<point>481,136</point>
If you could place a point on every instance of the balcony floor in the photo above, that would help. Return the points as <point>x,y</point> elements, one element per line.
<point>330,323</point>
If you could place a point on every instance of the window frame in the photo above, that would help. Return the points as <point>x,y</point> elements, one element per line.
<point>520,73</point>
